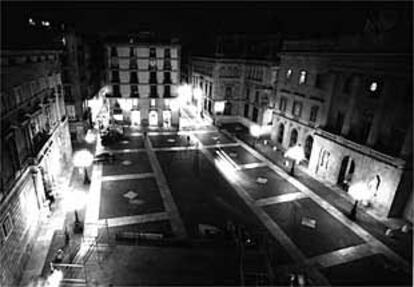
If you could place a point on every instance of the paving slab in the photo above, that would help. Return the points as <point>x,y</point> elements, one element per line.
<point>238,154</point>
<point>274,186</point>
<point>168,140</point>
<point>129,197</point>
<point>134,142</point>
<point>128,163</point>
<point>213,138</point>
<point>327,235</point>
<point>375,270</point>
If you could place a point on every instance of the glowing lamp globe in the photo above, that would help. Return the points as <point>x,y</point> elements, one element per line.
<point>255,131</point>
<point>296,153</point>
<point>82,158</point>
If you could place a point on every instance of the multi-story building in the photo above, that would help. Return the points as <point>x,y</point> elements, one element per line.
<point>82,67</point>
<point>235,90</point>
<point>238,83</point>
<point>348,102</point>
<point>144,75</point>
<point>35,150</point>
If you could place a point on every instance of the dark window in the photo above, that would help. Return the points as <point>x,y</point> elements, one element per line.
<point>114,52</point>
<point>116,91</point>
<point>297,109</point>
<point>134,91</point>
<point>227,109</point>
<point>247,94</point>
<point>293,137</point>
<point>167,53</point>
<point>131,52</point>
<point>167,78</point>
<point>282,104</point>
<point>153,53</point>
<point>153,77</point>
<point>255,114</point>
<point>152,64</point>
<point>68,93</point>
<point>246,110</point>
<point>228,93</point>
<point>256,97</point>
<point>133,78</point>
<point>321,81</point>
<point>313,113</point>
<point>133,65</point>
<point>167,91</point>
<point>153,91</point>
<point>280,133</point>
<point>167,64</point>
<point>115,77</point>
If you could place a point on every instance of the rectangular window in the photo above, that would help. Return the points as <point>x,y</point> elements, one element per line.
<point>134,91</point>
<point>116,91</point>
<point>167,53</point>
<point>152,103</point>
<point>153,78</point>
<point>133,65</point>
<point>167,78</point>
<point>255,114</point>
<point>114,52</point>
<point>313,114</point>
<point>153,53</point>
<point>256,97</point>
<point>115,77</point>
<point>228,93</point>
<point>153,91</point>
<point>131,52</point>
<point>167,91</point>
<point>167,65</point>
<point>288,74</point>
<point>246,110</point>
<point>282,104</point>
<point>297,109</point>
<point>133,78</point>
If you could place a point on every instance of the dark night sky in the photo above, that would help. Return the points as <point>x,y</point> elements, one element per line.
<point>197,21</point>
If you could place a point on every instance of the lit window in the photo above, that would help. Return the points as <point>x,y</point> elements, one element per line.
<point>288,74</point>
<point>302,78</point>
<point>31,22</point>
<point>373,87</point>
<point>152,102</point>
<point>297,109</point>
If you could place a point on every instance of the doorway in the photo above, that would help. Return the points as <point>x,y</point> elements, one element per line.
<point>166,115</point>
<point>153,118</point>
<point>346,172</point>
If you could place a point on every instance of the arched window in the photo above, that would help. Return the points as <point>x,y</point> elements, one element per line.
<point>293,137</point>
<point>308,147</point>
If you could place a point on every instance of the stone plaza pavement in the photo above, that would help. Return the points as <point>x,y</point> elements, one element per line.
<point>169,182</point>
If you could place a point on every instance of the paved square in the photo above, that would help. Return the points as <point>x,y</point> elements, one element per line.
<point>274,186</point>
<point>201,194</point>
<point>129,143</point>
<point>168,140</point>
<point>375,270</point>
<point>128,163</point>
<point>328,235</point>
<point>115,203</point>
<point>238,154</point>
<point>213,138</point>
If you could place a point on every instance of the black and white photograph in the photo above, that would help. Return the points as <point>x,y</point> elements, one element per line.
<point>206,143</point>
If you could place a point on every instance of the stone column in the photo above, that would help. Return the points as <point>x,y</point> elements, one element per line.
<point>379,115</point>
<point>355,91</point>
<point>325,110</point>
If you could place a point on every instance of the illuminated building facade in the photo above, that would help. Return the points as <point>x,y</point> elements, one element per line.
<point>348,102</point>
<point>35,152</point>
<point>144,76</point>
<point>235,90</point>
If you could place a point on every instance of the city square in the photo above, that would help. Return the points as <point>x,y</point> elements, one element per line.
<point>281,158</point>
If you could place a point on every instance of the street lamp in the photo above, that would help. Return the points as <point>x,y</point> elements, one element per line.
<point>296,154</point>
<point>256,132</point>
<point>82,159</point>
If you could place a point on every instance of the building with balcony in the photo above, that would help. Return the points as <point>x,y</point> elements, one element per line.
<point>348,102</point>
<point>144,75</point>
<point>36,150</point>
<point>238,83</point>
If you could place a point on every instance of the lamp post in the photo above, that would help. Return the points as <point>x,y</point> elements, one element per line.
<point>296,154</point>
<point>256,132</point>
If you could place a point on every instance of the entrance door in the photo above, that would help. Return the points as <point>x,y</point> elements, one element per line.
<point>346,172</point>
<point>153,118</point>
<point>135,118</point>
<point>167,118</point>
